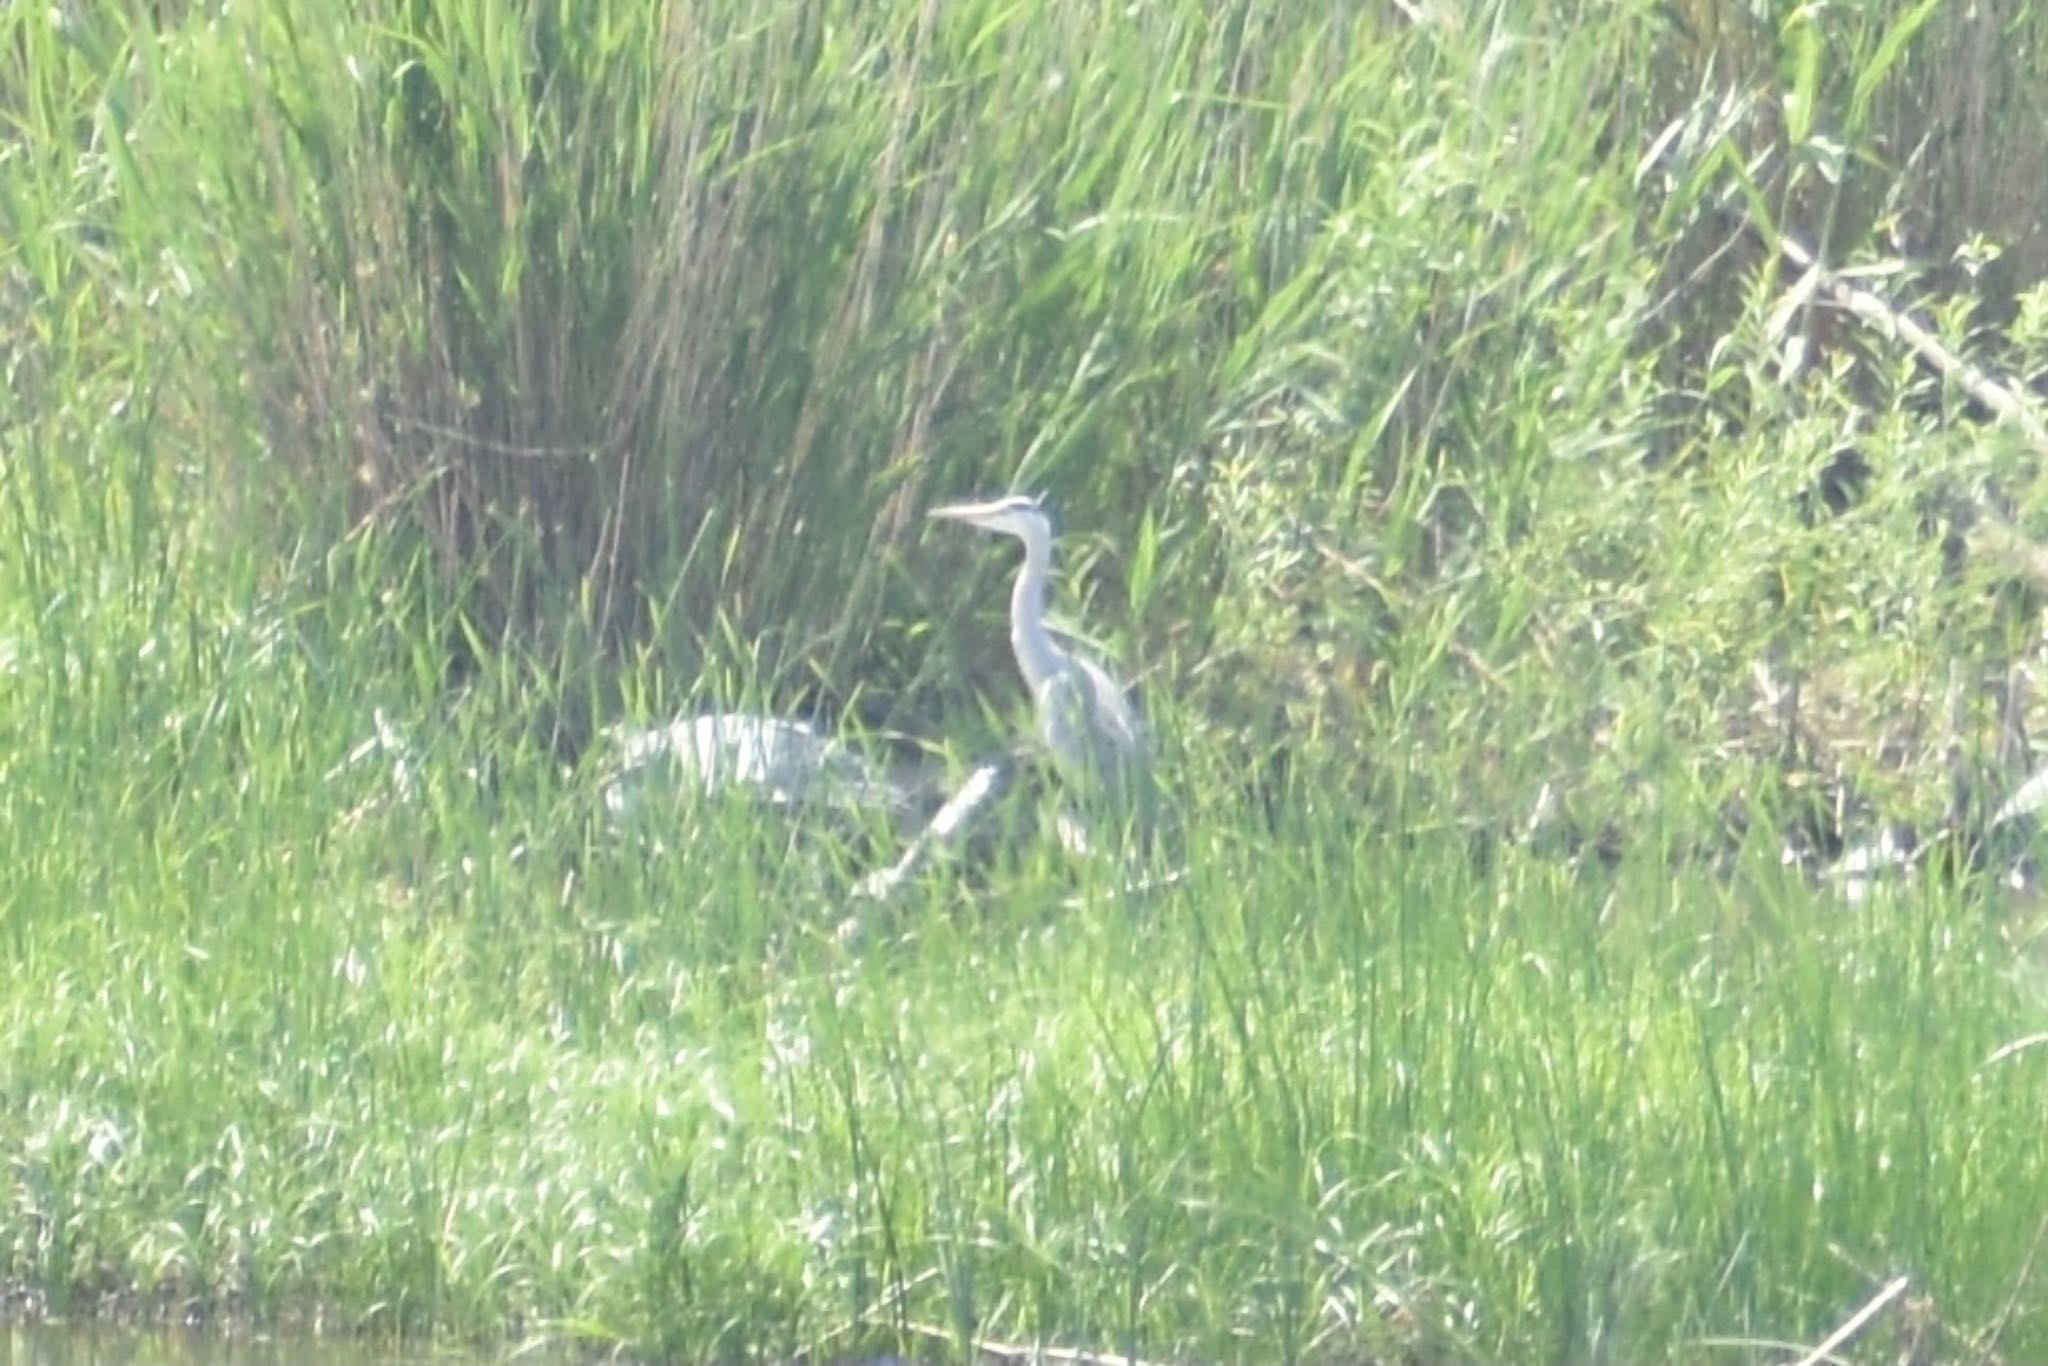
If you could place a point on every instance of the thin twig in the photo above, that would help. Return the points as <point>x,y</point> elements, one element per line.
<point>1994,537</point>
<point>2006,1050</point>
<point>1855,1322</point>
<point>1999,398</point>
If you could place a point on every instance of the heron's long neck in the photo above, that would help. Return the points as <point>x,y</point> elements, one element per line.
<point>1035,655</point>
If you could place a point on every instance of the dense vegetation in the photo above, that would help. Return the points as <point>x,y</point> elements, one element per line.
<point>1531,577</point>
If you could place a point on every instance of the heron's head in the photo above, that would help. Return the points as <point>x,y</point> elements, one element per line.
<point>1015,515</point>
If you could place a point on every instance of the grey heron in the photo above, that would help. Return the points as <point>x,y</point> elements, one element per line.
<point>1086,723</point>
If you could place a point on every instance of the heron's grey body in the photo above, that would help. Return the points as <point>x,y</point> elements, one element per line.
<point>1083,717</point>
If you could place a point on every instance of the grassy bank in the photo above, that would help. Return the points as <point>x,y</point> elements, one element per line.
<point>1338,1093</point>
<point>1433,429</point>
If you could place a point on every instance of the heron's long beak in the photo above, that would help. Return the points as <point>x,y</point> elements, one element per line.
<point>964,512</point>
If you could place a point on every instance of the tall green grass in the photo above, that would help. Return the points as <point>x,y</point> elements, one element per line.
<point>1337,1093</point>
<point>1431,430</point>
